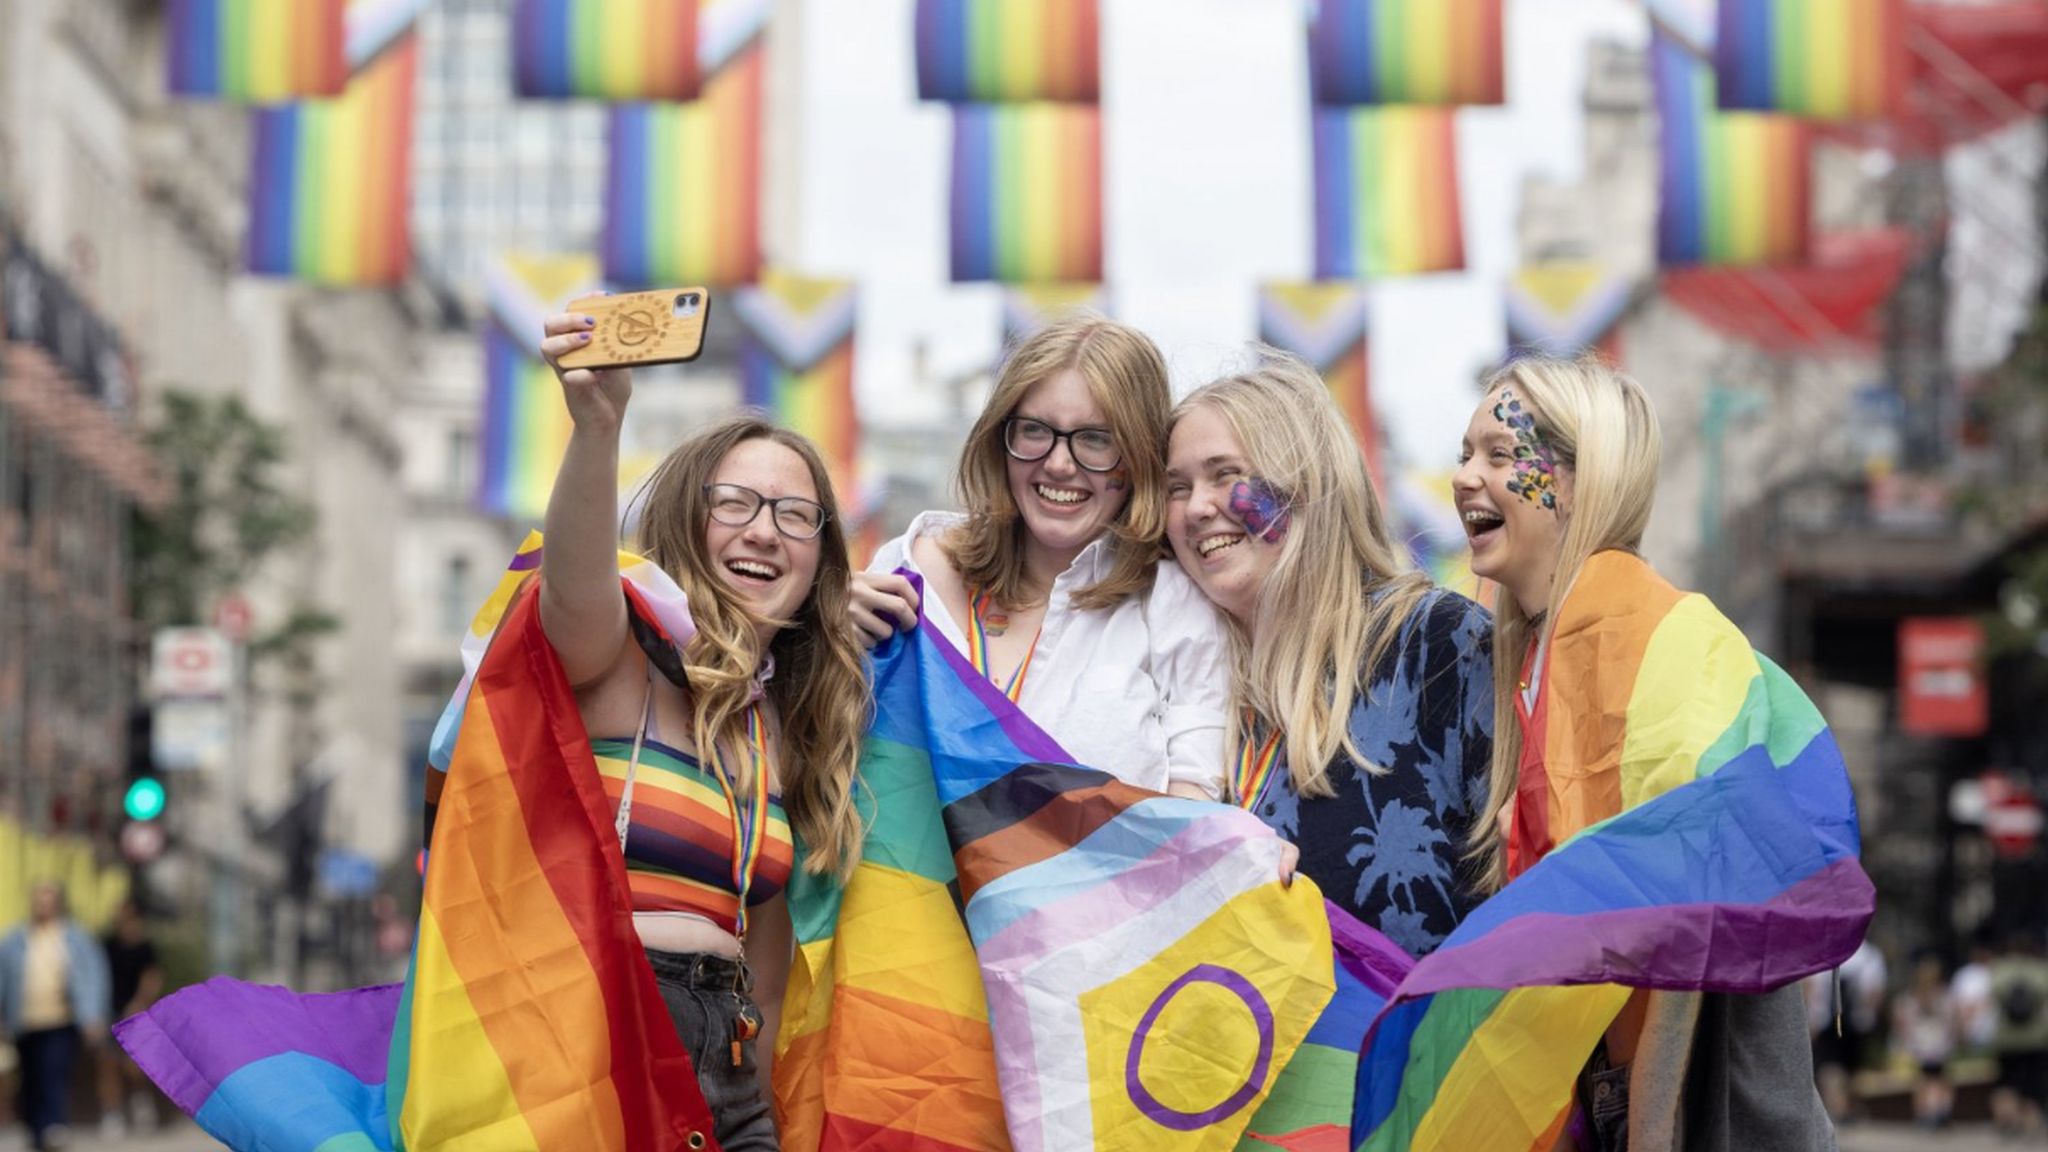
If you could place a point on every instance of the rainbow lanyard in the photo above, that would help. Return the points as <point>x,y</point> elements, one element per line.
<point>749,815</point>
<point>977,646</point>
<point>1254,768</point>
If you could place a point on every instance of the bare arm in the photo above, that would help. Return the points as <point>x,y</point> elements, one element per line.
<point>581,609</point>
<point>770,939</point>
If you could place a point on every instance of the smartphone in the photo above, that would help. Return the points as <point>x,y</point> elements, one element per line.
<point>665,326</point>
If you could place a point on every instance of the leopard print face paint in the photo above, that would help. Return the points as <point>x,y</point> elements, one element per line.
<point>1261,509</point>
<point>1535,467</point>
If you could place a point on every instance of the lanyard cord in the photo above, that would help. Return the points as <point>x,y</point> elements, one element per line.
<point>978,604</point>
<point>1254,767</point>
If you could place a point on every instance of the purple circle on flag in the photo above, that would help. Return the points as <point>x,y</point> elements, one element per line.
<point>1262,1016</point>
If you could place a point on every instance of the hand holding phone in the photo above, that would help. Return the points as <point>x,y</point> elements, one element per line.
<point>665,326</point>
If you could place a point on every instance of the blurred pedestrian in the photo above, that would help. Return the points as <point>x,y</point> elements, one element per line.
<point>2019,986</point>
<point>53,997</point>
<point>1924,1027</point>
<point>1970,991</point>
<point>136,980</point>
<point>1843,1009</point>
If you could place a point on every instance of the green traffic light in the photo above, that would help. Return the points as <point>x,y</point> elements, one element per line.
<point>145,800</point>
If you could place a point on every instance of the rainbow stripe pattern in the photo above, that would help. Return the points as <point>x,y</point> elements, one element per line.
<point>1130,974</point>
<point>1006,51</point>
<point>796,361</point>
<point>605,49</point>
<point>1328,325</point>
<point>256,51</point>
<point>1406,52</point>
<point>525,430</point>
<point>547,1035</point>
<point>1823,59</point>
<point>1386,192</point>
<point>1565,307</point>
<point>330,181</point>
<point>1029,307</point>
<point>683,186</point>
<point>1027,193</point>
<point>1705,839</point>
<point>1734,187</point>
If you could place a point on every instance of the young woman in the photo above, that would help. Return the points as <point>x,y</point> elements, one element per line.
<point>1361,717</point>
<point>765,699</point>
<point>1052,581</point>
<point>1555,483</point>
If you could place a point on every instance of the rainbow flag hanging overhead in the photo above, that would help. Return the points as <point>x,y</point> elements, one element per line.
<point>1565,307</point>
<point>1406,52</point>
<point>525,430</point>
<point>1131,974</point>
<point>796,361</point>
<point>1005,51</point>
<point>1027,193</point>
<point>1733,187</point>
<point>1824,59</point>
<point>256,51</point>
<point>1029,307</point>
<point>1704,839</point>
<point>1387,196</point>
<point>683,185</point>
<point>330,181</point>
<point>605,49</point>
<point>1327,325</point>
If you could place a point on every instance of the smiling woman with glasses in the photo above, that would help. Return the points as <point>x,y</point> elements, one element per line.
<point>736,506</point>
<point>1051,581</point>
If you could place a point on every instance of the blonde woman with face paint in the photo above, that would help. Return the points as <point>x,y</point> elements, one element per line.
<point>1052,581</point>
<point>1361,708</point>
<point>1555,483</point>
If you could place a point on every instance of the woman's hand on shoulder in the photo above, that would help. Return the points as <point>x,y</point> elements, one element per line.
<point>883,604</point>
<point>596,397</point>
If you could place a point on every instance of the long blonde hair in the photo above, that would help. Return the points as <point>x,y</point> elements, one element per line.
<point>1598,423</point>
<point>1127,378</point>
<point>1342,587</point>
<point>820,685</point>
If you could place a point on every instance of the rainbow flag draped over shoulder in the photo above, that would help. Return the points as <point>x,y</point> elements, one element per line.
<point>329,184</point>
<point>530,1019</point>
<point>1130,973</point>
<point>1406,52</point>
<point>1027,193</point>
<point>605,49</point>
<point>1733,187</point>
<point>1706,840</point>
<point>1386,192</point>
<point>1003,51</point>
<point>1825,59</point>
<point>796,361</point>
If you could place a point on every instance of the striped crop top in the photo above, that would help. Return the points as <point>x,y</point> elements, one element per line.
<point>679,846</point>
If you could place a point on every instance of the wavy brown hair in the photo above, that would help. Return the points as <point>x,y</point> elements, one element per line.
<point>1127,377</point>
<point>820,686</point>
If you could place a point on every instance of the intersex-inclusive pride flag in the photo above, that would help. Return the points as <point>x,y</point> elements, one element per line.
<point>1387,199</point>
<point>683,185</point>
<point>256,51</point>
<point>1825,59</point>
<point>1705,840</point>
<point>530,1019</point>
<point>1027,193</point>
<point>605,49</point>
<point>1004,51</point>
<point>796,361</point>
<point>1130,973</point>
<point>1327,325</point>
<point>330,180</point>
<point>525,421</point>
<point>1566,307</point>
<point>1406,52</point>
<point>1733,187</point>
<point>1029,307</point>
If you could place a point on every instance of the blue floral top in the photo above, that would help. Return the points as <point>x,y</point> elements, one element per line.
<point>1389,848</point>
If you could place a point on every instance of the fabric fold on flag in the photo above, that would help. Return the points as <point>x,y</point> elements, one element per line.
<point>1731,866</point>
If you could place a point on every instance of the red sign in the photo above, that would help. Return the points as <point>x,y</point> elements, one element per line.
<point>2012,817</point>
<point>1941,677</point>
<point>231,616</point>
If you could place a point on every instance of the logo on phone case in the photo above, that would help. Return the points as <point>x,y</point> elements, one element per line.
<point>638,327</point>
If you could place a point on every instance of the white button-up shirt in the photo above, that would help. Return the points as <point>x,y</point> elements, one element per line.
<point>1138,690</point>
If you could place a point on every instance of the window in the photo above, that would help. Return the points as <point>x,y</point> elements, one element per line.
<point>455,605</point>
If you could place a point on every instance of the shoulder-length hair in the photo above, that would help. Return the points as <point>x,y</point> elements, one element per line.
<point>1342,587</point>
<point>1127,378</point>
<point>1598,423</point>
<point>820,684</point>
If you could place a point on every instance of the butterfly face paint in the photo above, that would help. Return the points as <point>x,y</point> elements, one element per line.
<point>1535,467</point>
<point>1261,509</point>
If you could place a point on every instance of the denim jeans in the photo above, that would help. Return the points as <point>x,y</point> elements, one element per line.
<point>704,995</point>
<point>47,1058</point>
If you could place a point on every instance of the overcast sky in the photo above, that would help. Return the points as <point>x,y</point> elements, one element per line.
<point>1207,190</point>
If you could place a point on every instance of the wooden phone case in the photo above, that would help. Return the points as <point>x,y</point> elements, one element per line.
<point>665,326</point>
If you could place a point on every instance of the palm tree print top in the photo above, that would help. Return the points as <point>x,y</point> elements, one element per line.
<point>1388,846</point>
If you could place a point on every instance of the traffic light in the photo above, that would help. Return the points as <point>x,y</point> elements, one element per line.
<point>144,799</point>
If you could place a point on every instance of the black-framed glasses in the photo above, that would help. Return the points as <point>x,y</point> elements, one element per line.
<point>1092,448</point>
<point>736,505</point>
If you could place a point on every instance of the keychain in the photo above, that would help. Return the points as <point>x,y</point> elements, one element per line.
<point>745,1026</point>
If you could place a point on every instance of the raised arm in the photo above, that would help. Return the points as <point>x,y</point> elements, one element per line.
<point>581,609</point>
